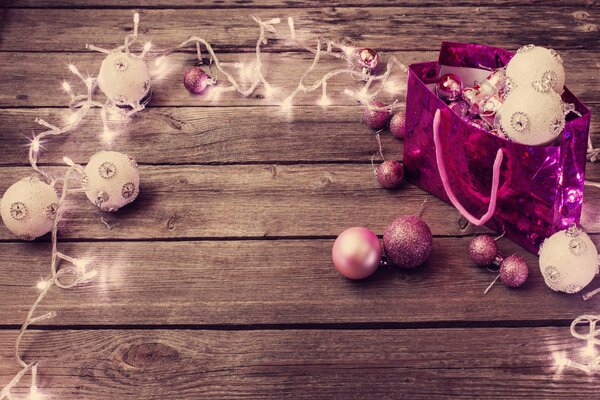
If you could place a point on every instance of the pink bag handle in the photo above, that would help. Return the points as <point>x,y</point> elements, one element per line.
<point>444,176</point>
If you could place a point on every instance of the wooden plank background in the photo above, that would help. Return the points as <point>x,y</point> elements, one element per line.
<point>217,282</point>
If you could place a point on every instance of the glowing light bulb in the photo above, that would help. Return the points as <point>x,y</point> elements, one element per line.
<point>108,135</point>
<point>43,285</point>
<point>146,49</point>
<point>66,87</point>
<point>159,61</point>
<point>81,264</point>
<point>324,101</point>
<point>73,69</point>
<point>34,394</point>
<point>287,104</point>
<point>68,161</point>
<point>589,350</point>
<point>35,144</point>
<point>72,118</point>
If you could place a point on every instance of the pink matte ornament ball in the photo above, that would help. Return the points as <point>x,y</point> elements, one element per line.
<point>390,174</point>
<point>376,119</point>
<point>449,87</point>
<point>407,242</point>
<point>514,271</point>
<point>195,80</point>
<point>483,250</point>
<point>356,253</point>
<point>398,125</point>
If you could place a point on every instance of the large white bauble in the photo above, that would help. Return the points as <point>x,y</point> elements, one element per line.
<point>29,207</point>
<point>125,79</point>
<point>111,179</point>
<point>531,117</point>
<point>538,68</point>
<point>568,260</point>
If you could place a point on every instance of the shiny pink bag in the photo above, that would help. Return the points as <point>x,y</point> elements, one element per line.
<point>540,188</point>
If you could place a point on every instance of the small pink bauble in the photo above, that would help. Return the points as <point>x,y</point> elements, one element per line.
<point>390,174</point>
<point>376,119</point>
<point>460,108</point>
<point>367,58</point>
<point>407,242</point>
<point>483,250</point>
<point>356,253</point>
<point>449,87</point>
<point>195,80</point>
<point>398,124</point>
<point>514,271</point>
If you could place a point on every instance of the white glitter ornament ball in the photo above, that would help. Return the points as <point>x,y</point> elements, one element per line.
<point>29,207</point>
<point>125,79</point>
<point>538,68</point>
<point>531,117</point>
<point>568,260</point>
<point>112,180</point>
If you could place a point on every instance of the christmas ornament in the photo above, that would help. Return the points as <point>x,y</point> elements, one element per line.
<point>460,108</point>
<point>538,68</point>
<point>407,241</point>
<point>449,87</point>
<point>196,80</point>
<point>390,174</point>
<point>483,250</point>
<point>112,180</point>
<point>356,253</point>
<point>513,271</point>
<point>568,260</point>
<point>125,79</point>
<point>376,118</point>
<point>530,117</point>
<point>367,58</point>
<point>29,207</point>
<point>398,125</point>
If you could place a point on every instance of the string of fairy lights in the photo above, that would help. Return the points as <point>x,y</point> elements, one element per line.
<point>361,65</point>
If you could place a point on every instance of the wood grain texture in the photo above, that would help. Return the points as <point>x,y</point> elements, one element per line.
<point>388,28</point>
<point>263,201</point>
<point>39,85</point>
<point>277,282</point>
<point>217,4</point>
<point>303,364</point>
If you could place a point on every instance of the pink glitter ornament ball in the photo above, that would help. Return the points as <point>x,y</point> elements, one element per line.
<point>356,253</point>
<point>398,124</point>
<point>449,87</point>
<point>483,250</point>
<point>376,119</point>
<point>407,242</point>
<point>514,271</point>
<point>195,80</point>
<point>367,58</point>
<point>390,174</point>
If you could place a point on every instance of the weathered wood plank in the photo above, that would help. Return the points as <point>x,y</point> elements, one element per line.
<point>193,135</point>
<point>272,282</point>
<point>302,364</point>
<point>217,4</point>
<point>40,83</point>
<point>388,27</point>
<point>262,201</point>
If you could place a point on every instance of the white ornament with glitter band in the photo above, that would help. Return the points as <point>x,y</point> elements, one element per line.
<point>568,260</point>
<point>29,207</point>
<point>538,68</point>
<point>111,180</point>
<point>125,79</point>
<point>530,117</point>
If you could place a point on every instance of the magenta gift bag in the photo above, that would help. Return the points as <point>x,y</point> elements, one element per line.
<point>541,187</point>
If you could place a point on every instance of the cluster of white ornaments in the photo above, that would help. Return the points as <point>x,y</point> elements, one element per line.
<point>29,206</point>
<point>125,79</point>
<point>111,180</point>
<point>533,111</point>
<point>568,260</point>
